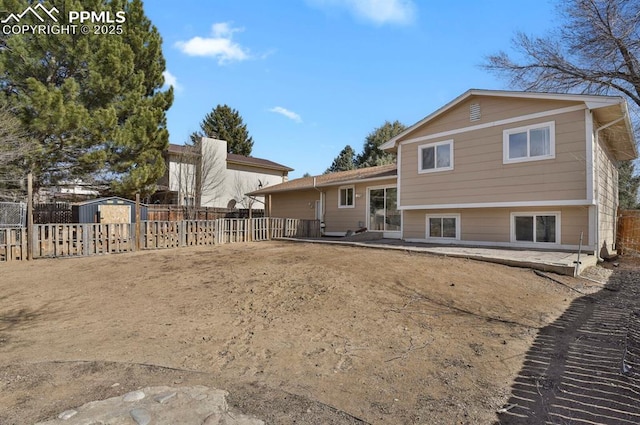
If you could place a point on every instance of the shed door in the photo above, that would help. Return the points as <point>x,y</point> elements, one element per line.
<point>115,213</point>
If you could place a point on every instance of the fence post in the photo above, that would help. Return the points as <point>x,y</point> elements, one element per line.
<point>182,231</point>
<point>85,240</point>
<point>143,243</point>
<point>24,243</point>
<point>137,240</point>
<point>33,241</point>
<point>29,216</point>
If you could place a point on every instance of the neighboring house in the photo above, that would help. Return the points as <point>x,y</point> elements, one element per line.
<point>211,177</point>
<point>68,191</point>
<point>492,168</point>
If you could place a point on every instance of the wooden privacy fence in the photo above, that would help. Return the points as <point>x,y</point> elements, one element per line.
<point>53,212</point>
<point>628,236</point>
<point>68,240</point>
<point>293,228</point>
<point>13,244</point>
<point>173,234</point>
<point>167,212</point>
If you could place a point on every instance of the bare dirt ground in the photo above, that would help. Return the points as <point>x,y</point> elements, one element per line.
<point>296,332</point>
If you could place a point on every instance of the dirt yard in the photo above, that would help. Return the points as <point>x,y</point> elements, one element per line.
<point>296,332</point>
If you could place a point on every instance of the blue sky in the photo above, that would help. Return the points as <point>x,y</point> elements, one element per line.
<point>309,77</point>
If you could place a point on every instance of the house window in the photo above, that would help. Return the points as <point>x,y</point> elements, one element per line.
<point>346,197</point>
<point>531,143</point>
<point>443,226</point>
<point>435,157</point>
<point>535,227</point>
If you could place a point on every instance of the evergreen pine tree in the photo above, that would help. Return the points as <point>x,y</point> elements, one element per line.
<point>225,123</point>
<point>345,161</point>
<point>628,184</point>
<point>371,155</point>
<point>91,102</point>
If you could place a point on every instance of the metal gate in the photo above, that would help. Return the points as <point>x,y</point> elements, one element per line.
<point>13,214</point>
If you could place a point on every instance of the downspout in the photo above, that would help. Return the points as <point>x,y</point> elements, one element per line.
<point>597,182</point>
<point>322,225</point>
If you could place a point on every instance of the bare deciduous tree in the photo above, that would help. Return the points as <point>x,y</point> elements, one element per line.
<point>596,51</point>
<point>243,186</point>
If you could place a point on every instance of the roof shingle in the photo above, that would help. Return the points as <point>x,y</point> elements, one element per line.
<point>234,158</point>
<point>331,179</point>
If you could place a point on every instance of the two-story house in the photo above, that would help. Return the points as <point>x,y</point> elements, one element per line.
<point>207,175</point>
<point>490,168</point>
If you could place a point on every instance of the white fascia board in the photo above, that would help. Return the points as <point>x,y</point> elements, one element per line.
<point>516,204</point>
<point>602,103</point>
<point>590,149</point>
<point>595,100</point>
<point>355,181</point>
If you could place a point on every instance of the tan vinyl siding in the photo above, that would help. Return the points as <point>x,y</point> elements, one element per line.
<point>491,109</point>
<point>607,196</point>
<point>479,175</point>
<point>494,224</point>
<point>575,221</point>
<point>299,204</point>
<point>343,219</point>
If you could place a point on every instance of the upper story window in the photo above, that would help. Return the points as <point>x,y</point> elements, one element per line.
<point>435,157</point>
<point>530,143</point>
<point>346,197</point>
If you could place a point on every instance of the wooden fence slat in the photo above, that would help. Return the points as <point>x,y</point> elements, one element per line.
<point>13,244</point>
<point>628,235</point>
<point>66,240</point>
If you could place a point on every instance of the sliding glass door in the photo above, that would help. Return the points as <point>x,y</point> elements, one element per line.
<point>383,212</point>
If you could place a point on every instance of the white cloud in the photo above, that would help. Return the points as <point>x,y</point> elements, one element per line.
<point>379,12</point>
<point>171,80</point>
<point>224,29</point>
<point>287,113</point>
<point>219,46</point>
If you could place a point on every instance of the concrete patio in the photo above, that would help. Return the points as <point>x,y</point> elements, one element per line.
<point>564,263</point>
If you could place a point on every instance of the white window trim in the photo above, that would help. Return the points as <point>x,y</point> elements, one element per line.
<point>353,197</point>
<point>534,214</point>
<point>552,143</point>
<point>436,169</point>
<point>438,238</point>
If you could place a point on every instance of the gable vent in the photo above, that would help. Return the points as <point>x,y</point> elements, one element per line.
<point>474,112</point>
